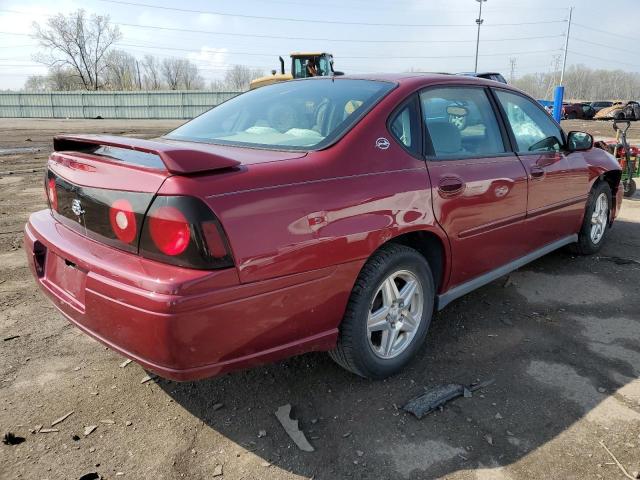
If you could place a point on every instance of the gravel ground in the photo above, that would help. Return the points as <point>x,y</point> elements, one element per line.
<point>560,338</point>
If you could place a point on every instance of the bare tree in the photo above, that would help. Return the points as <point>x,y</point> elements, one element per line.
<point>57,79</point>
<point>121,72</point>
<point>79,43</point>
<point>172,71</point>
<point>239,77</point>
<point>152,77</point>
<point>181,73</point>
<point>37,83</point>
<point>584,83</point>
<point>191,78</point>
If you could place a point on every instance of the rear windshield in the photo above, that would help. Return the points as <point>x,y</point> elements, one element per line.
<point>305,114</point>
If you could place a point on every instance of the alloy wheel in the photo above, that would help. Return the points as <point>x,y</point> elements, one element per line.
<point>395,314</point>
<point>599,218</point>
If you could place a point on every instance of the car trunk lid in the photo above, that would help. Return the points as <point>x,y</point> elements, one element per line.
<point>102,186</point>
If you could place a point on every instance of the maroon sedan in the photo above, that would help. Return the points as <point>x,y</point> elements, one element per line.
<point>326,214</point>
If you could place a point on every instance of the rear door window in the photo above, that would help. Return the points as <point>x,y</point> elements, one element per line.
<point>533,129</point>
<point>461,122</point>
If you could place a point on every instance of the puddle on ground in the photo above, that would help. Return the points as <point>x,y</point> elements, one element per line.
<point>19,150</point>
<point>420,456</point>
<point>579,289</point>
<point>10,180</point>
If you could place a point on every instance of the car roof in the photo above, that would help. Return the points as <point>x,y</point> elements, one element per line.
<point>423,79</point>
<point>415,80</point>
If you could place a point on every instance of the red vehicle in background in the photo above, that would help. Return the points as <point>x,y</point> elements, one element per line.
<point>580,110</point>
<point>324,214</point>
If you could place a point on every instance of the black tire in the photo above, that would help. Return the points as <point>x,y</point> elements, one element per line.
<point>354,351</point>
<point>585,244</point>
<point>629,187</point>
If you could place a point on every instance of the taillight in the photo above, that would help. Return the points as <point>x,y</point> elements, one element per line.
<point>123,220</point>
<point>183,231</point>
<point>52,194</point>
<point>169,230</point>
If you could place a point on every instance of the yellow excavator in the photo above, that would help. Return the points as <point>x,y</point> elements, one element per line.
<point>303,65</point>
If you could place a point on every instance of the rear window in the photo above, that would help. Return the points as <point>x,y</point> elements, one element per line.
<point>305,114</point>
<point>131,157</point>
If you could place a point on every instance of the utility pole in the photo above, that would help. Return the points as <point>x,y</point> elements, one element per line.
<point>566,46</point>
<point>479,21</point>
<point>512,76</point>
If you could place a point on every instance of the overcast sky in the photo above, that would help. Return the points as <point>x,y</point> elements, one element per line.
<point>364,36</point>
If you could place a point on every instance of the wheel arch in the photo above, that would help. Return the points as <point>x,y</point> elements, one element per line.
<point>612,177</point>
<point>432,247</point>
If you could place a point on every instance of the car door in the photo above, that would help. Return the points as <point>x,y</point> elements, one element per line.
<point>558,183</point>
<point>479,187</point>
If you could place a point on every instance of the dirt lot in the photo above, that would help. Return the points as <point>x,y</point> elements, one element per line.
<point>560,337</point>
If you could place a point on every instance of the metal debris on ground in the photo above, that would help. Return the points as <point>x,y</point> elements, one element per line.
<point>217,406</point>
<point>262,433</point>
<point>88,430</point>
<point>217,471</point>
<point>48,430</point>
<point>61,419</point>
<point>12,337</point>
<point>291,427</point>
<point>438,396</point>
<point>125,363</point>
<point>11,438</point>
<point>147,378</point>
<point>108,421</point>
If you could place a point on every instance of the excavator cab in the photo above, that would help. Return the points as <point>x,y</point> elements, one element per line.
<point>303,65</point>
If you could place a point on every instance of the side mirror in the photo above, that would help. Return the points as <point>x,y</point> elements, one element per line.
<point>579,141</point>
<point>338,73</point>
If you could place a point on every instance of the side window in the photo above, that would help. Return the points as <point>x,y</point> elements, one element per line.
<point>404,128</point>
<point>461,122</point>
<point>533,130</point>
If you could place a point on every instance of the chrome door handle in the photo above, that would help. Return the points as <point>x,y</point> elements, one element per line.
<point>450,186</point>
<point>536,171</point>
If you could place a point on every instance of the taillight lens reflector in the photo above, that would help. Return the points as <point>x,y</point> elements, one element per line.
<point>213,237</point>
<point>170,230</point>
<point>123,220</point>
<point>52,194</point>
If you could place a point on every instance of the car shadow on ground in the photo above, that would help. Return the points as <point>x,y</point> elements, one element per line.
<point>559,337</point>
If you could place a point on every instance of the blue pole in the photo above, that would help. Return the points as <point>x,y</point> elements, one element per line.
<point>558,95</point>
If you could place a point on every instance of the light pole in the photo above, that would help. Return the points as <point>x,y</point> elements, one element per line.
<point>566,46</point>
<point>479,21</point>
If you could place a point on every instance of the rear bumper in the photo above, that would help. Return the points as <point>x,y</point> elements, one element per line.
<point>180,323</point>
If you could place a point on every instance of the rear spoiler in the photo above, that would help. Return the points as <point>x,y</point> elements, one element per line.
<point>177,156</point>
